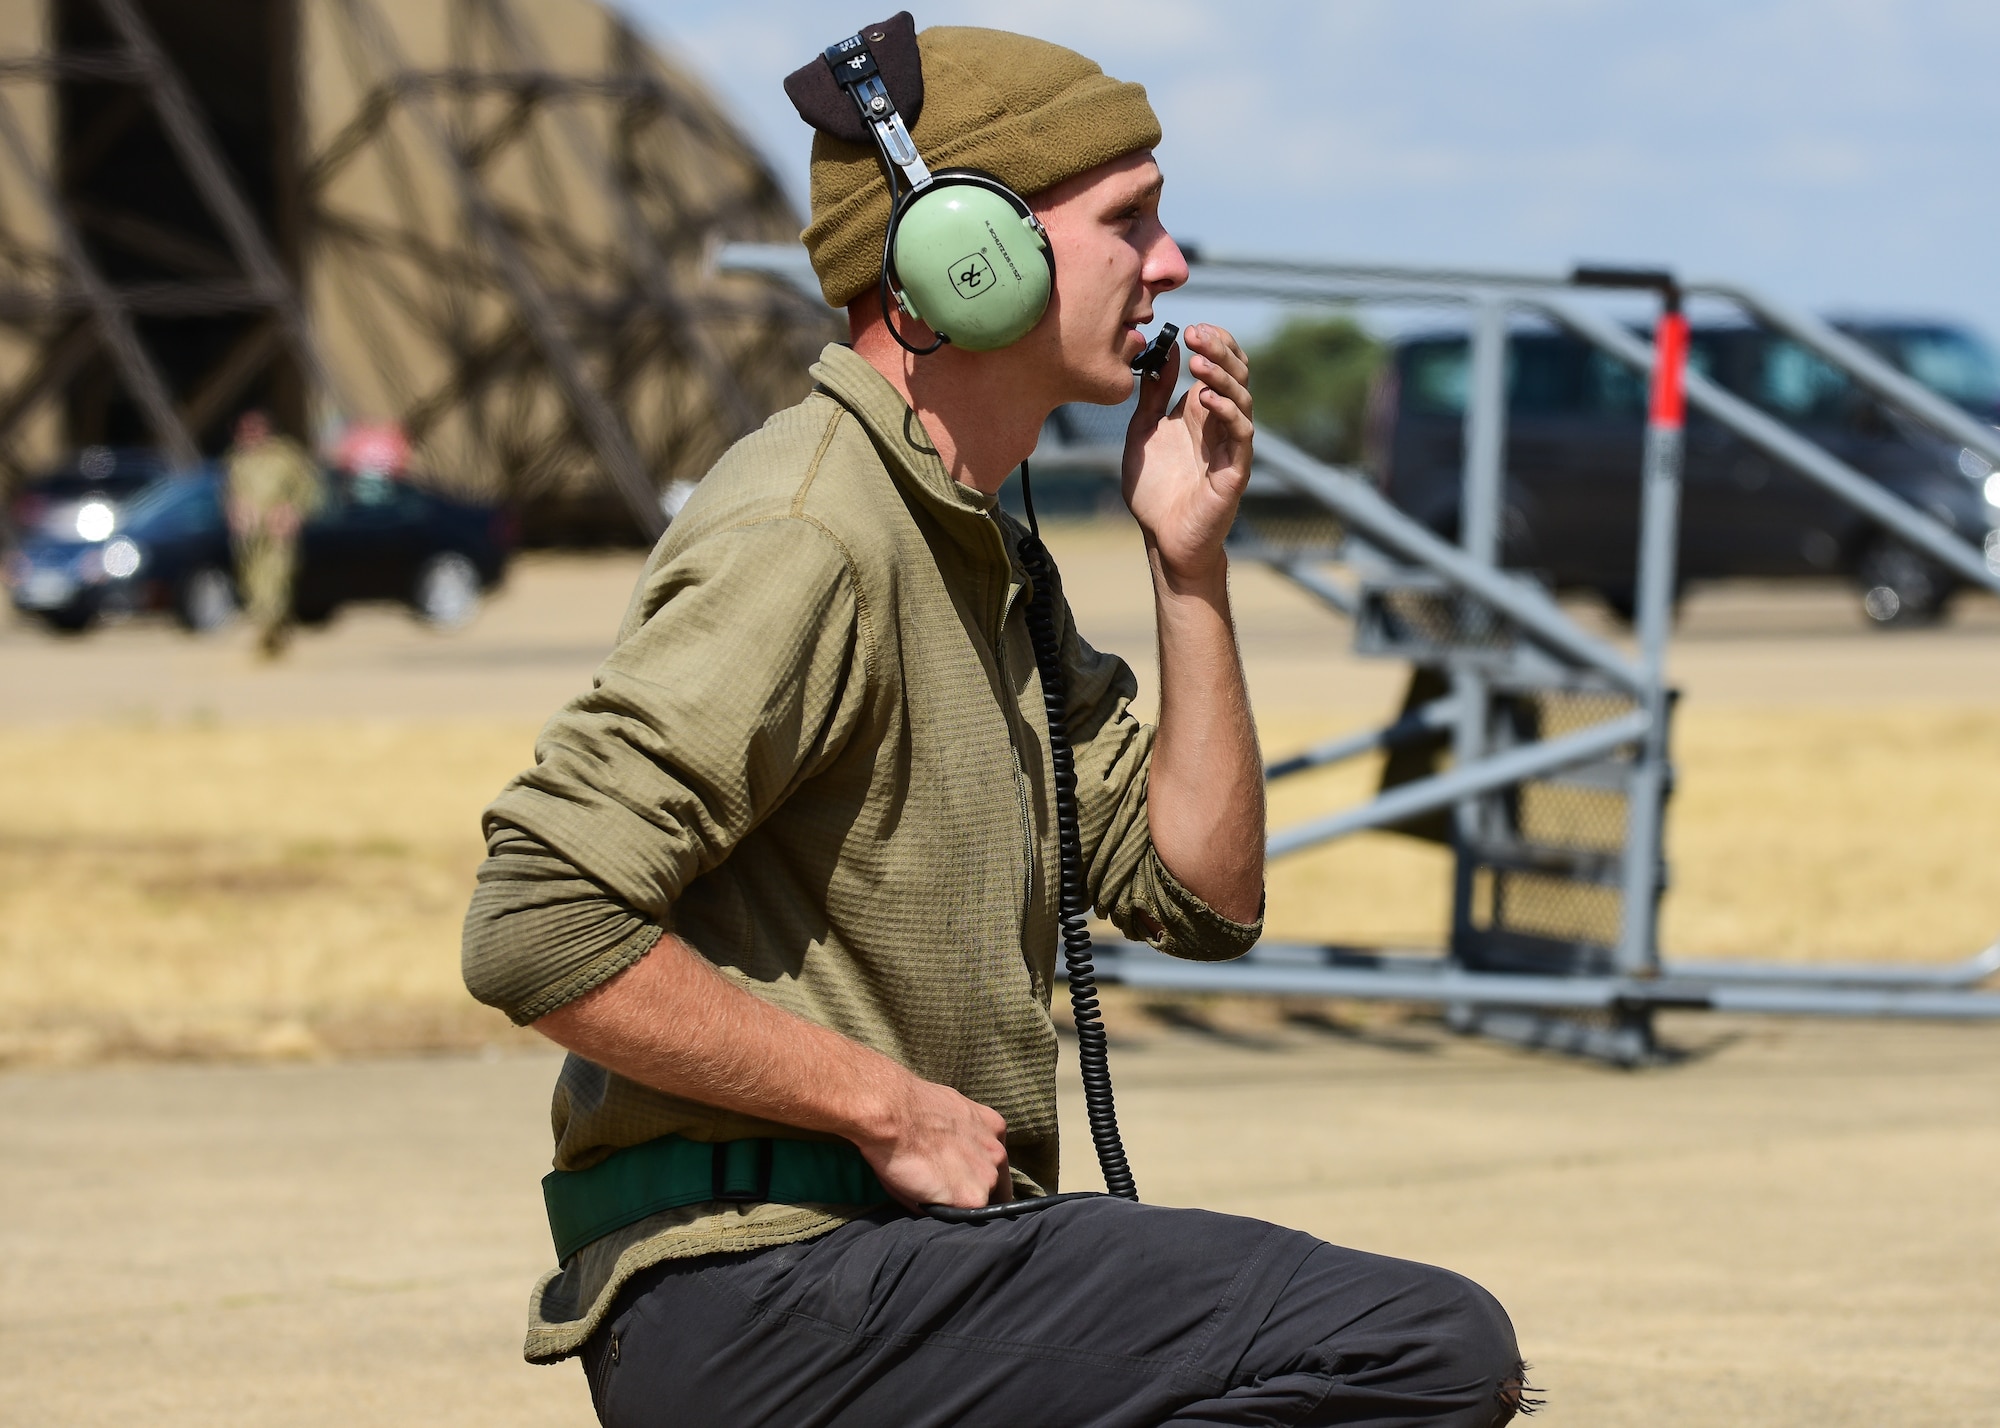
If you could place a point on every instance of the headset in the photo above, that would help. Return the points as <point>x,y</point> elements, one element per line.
<point>963,253</point>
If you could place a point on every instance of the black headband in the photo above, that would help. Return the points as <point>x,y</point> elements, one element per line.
<point>823,104</point>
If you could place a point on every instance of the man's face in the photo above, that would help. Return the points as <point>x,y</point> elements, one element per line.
<point>251,428</point>
<point>1112,259</point>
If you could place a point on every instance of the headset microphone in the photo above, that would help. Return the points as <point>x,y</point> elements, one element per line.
<point>1153,360</point>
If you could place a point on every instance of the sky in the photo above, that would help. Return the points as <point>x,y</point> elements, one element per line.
<point>1841,154</point>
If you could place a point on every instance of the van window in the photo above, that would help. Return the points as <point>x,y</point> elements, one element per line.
<point>1546,376</point>
<point>1435,375</point>
<point>1612,388</point>
<point>1795,383</point>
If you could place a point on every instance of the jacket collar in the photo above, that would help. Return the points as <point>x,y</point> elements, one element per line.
<point>899,435</point>
<point>967,518</point>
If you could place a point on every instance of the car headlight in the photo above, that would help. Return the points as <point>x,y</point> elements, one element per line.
<point>94,520</point>
<point>122,559</point>
<point>1992,489</point>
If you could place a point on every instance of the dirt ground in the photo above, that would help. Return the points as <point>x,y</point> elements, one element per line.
<point>201,857</point>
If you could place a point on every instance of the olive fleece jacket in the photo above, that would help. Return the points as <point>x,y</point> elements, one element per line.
<point>819,755</point>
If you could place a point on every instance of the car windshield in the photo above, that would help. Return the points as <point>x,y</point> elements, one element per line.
<point>169,495</point>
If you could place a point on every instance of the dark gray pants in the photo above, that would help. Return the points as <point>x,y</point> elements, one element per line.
<point>1096,1312</point>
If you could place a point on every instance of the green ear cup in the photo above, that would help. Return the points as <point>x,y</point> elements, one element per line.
<point>971,264</point>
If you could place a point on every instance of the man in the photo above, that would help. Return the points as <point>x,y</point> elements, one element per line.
<point>272,489</point>
<point>783,884</point>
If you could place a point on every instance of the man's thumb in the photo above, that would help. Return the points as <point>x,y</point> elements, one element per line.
<point>1156,392</point>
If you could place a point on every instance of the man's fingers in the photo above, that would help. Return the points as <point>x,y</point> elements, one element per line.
<point>942,1148</point>
<point>1221,348</point>
<point>1218,378</point>
<point>1232,416</point>
<point>1003,1178</point>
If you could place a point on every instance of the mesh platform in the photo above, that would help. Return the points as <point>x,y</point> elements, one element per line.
<point>1542,877</point>
<point>1428,624</point>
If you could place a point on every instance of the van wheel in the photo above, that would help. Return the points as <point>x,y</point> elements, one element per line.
<point>207,601</point>
<point>447,591</point>
<point>1623,602</point>
<point>1900,589</point>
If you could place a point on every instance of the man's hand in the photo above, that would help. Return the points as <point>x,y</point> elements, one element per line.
<point>1185,470</point>
<point>671,1021</point>
<point>938,1148</point>
<point>1184,473</point>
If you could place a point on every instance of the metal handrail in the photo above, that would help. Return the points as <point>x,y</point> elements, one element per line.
<point>1204,263</point>
<point>1866,367</point>
<point>1422,722</point>
<point>1352,497</point>
<point>1494,771</point>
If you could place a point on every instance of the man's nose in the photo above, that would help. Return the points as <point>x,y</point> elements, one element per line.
<point>1166,266</point>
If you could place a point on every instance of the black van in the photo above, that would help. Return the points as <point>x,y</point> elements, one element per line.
<point>1575,425</point>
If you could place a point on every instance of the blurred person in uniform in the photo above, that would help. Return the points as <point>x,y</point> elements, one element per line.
<point>272,489</point>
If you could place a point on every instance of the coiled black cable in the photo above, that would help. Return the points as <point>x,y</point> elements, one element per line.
<point>1073,902</point>
<point>1092,1053</point>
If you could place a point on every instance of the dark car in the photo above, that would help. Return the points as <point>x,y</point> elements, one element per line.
<point>83,494</point>
<point>1575,424</point>
<point>371,539</point>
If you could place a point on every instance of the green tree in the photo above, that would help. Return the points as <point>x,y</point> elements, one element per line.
<point>1311,382</point>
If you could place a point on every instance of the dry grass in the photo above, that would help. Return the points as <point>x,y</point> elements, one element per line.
<point>1823,834</point>
<point>263,890</point>
<point>296,890</point>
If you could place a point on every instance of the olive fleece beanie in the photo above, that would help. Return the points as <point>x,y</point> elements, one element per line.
<point>1028,112</point>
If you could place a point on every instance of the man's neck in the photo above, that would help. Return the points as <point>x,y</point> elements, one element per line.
<point>980,410</point>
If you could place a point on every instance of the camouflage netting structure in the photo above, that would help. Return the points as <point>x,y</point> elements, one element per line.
<point>489,221</point>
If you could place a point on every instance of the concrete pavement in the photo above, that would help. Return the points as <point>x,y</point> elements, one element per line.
<point>1793,1229</point>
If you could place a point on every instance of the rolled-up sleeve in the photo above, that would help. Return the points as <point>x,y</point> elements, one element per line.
<point>745,676</point>
<point>1129,884</point>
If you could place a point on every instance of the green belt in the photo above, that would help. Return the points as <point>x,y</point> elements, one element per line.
<point>670,1172</point>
